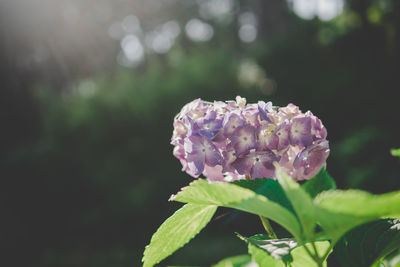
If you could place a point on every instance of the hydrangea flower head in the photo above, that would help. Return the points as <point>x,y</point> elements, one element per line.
<point>233,140</point>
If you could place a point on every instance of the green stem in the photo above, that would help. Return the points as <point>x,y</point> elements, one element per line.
<point>317,258</point>
<point>327,252</point>
<point>268,227</point>
<point>309,252</point>
<point>315,250</point>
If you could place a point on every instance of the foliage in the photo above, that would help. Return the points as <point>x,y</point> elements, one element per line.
<point>282,252</point>
<point>315,214</point>
<point>177,231</point>
<point>369,243</point>
<point>235,261</point>
<point>395,152</point>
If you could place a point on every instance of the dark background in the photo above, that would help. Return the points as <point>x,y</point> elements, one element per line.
<point>89,90</point>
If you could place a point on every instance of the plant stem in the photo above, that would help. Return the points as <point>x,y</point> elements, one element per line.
<point>268,227</point>
<point>315,250</point>
<point>327,252</point>
<point>308,251</point>
<point>317,258</point>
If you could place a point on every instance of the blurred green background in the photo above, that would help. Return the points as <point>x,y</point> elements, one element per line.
<point>89,90</point>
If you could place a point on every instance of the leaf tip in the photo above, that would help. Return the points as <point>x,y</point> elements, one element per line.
<point>172,197</point>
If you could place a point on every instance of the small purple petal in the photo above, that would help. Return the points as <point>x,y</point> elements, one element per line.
<point>263,167</point>
<point>289,112</point>
<point>243,165</point>
<point>243,139</point>
<point>312,158</point>
<point>212,155</point>
<point>179,153</point>
<point>282,133</point>
<point>179,132</point>
<point>191,125</point>
<point>228,157</point>
<point>214,173</point>
<point>257,164</point>
<point>200,151</point>
<point>220,141</point>
<point>264,109</point>
<point>300,131</point>
<point>195,164</point>
<point>209,126</point>
<point>250,113</point>
<point>195,107</point>
<point>259,170</point>
<point>231,123</point>
<point>318,131</point>
<point>266,139</point>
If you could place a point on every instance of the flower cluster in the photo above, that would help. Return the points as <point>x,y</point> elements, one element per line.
<point>230,140</point>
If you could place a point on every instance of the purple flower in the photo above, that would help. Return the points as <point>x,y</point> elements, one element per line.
<point>264,109</point>
<point>179,133</point>
<point>195,109</point>
<point>250,113</point>
<point>282,133</point>
<point>232,140</point>
<point>243,139</point>
<point>214,174</point>
<point>318,131</point>
<point>192,127</point>
<point>288,156</point>
<point>257,164</point>
<point>266,139</point>
<point>300,131</point>
<point>311,159</point>
<point>228,157</point>
<point>289,112</point>
<point>209,126</point>
<point>179,153</point>
<point>199,152</point>
<point>231,123</point>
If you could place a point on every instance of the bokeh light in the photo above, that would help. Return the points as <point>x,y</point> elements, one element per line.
<point>198,30</point>
<point>323,9</point>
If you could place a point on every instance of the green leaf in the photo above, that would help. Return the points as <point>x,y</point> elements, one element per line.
<point>369,243</point>
<point>280,252</point>
<point>269,188</point>
<point>279,249</point>
<point>395,152</point>
<point>392,260</point>
<point>301,201</point>
<point>263,258</point>
<point>235,261</point>
<point>389,241</point>
<point>301,257</point>
<point>339,211</point>
<point>321,182</point>
<point>176,231</point>
<point>234,196</point>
